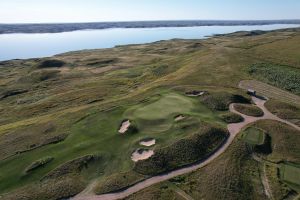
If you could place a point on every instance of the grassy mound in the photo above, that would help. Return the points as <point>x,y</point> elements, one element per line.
<point>74,166</point>
<point>118,182</point>
<point>249,110</point>
<point>51,63</point>
<point>233,175</point>
<point>284,141</point>
<point>221,100</point>
<point>281,76</point>
<point>183,152</point>
<point>37,164</point>
<point>231,118</point>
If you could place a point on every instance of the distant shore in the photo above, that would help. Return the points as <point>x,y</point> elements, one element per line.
<point>67,27</point>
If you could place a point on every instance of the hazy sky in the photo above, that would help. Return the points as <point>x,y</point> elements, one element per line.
<point>26,11</point>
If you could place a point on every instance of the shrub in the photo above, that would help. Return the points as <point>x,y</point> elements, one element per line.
<point>281,76</point>
<point>249,110</point>
<point>51,63</point>
<point>221,100</point>
<point>232,118</point>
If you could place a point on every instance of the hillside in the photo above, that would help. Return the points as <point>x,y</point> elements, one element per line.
<point>98,121</point>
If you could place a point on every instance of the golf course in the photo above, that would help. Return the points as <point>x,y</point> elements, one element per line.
<point>172,119</point>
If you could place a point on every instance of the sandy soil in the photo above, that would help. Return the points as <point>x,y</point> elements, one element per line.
<point>141,154</point>
<point>233,129</point>
<point>148,143</point>
<point>178,118</point>
<point>124,127</point>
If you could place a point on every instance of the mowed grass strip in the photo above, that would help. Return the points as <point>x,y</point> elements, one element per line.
<point>270,91</point>
<point>291,174</point>
<point>254,136</point>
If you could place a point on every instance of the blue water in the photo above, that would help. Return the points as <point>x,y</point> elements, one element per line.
<point>17,46</point>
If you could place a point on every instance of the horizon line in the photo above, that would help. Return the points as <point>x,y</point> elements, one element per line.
<point>163,20</point>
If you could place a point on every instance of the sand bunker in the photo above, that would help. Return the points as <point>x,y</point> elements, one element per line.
<point>179,117</point>
<point>141,154</point>
<point>124,126</point>
<point>148,142</point>
<point>195,93</point>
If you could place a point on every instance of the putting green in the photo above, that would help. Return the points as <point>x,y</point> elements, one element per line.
<point>254,136</point>
<point>164,107</point>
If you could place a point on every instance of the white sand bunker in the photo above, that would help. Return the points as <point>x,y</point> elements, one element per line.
<point>195,93</point>
<point>124,126</point>
<point>148,142</point>
<point>141,154</point>
<point>179,117</point>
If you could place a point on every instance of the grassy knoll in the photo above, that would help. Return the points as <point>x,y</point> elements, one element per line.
<point>183,152</point>
<point>249,110</point>
<point>253,136</point>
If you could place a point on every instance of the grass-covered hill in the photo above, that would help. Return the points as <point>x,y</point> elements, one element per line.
<point>61,118</point>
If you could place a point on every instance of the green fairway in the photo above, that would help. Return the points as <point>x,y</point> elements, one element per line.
<point>291,175</point>
<point>164,107</point>
<point>254,136</point>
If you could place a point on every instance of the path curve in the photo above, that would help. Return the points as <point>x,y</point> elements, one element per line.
<point>233,129</point>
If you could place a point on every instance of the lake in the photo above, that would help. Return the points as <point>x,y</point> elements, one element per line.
<point>21,46</point>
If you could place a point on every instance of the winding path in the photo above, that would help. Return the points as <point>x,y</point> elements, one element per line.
<point>233,129</point>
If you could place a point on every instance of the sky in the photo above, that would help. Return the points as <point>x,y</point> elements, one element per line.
<point>52,11</point>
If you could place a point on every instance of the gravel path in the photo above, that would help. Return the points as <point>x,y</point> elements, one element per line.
<point>233,129</point>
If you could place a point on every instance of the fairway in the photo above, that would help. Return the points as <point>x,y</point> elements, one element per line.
<point>291,175</point>
<point>165,106</point>
<point>253,136</point>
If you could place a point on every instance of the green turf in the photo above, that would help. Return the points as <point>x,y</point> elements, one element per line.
<point>253,136</point>
<point>290,174</point>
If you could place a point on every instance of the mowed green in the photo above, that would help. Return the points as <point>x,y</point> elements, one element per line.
<point>291,175</point>
<point>164,107</point>
<point>254,136</point>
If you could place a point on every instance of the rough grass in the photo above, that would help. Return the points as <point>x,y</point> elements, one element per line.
<point>233,175</point>
<point>284,77</point>
<point>231,118</point>
<point>86,99</point>
<point>284,141</point>
<point>284,110</point>
<point>249,110</point>
<point>183,152</point>
<point>117,182</point>
<point>221,100</point>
